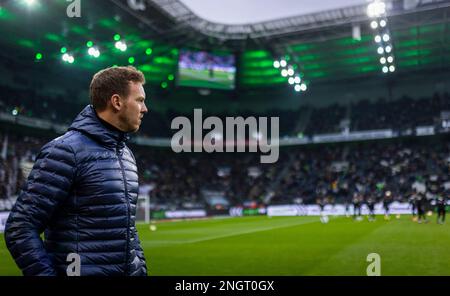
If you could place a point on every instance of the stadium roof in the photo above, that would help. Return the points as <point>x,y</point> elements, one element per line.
<point>238,12</point>
<point>320,44</point>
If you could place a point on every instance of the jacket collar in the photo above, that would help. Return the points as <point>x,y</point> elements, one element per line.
<point>87,122</point>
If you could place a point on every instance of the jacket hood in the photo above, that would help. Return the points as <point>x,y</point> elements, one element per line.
<point>88,122</point>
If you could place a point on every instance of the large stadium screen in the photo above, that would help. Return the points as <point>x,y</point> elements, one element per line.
<point>206,70</point>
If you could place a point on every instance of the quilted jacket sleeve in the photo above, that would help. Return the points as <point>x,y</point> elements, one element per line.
<point>140,253</point>
<point>47,187</point>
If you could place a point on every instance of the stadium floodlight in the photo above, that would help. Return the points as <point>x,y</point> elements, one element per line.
<point>30,2</point>
<point>276,64</point>
<point>374,25</point>
<point>388,49</point>
<point>376,8</point>
<point>297,87</point>
<point>63,49</point>
<point>290,72</point>
<point>131,60</point>
<point>303,87</point>
<point>39,56</point>
<point>386,37</point>
<point>385,69</point>
<point>391,68</point>
<point>383,60</point>
<point>380,50</point>
<point>383,23</point>
<point>284,73</point>
<point>297,79</point>
<point>148,51</point>
<point>117,37</point>
<point>89,44</point>
<point>68,58</point>
<point>122,46</point>
<point>291,80</point>
<point>378,39</point>
<point>283,63</point>
<point>390,59</point>
<point>94,52</point>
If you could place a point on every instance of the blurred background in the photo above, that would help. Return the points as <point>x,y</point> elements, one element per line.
<point>361,89</point>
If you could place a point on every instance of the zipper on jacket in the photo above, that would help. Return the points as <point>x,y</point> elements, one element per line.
<point>127,259</point>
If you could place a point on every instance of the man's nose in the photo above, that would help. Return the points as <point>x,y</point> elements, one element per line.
<point>145,110</point>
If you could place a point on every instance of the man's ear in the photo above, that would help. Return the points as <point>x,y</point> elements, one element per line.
<point>116,102</point>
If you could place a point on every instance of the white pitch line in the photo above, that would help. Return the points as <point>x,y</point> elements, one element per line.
<point>229,234</point>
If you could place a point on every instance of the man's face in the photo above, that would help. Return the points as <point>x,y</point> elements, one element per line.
<point>134,108</point>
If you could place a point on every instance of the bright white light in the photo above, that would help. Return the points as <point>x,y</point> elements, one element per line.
<point>68,58</point>
<point>121,45</point>
<point>391,68</point>
<point>388,49</point>
<point>291,80</point>
<point>276,64</point>
<point>15,112</point>
<point>386,38</point>
<point>374,24</point>
<point>283,63</point>
<point>291,72</point>
<point>380,50</point>
<point>383,60</point>
<point>390,59</point>
<point>382,23</point>
<point>30,2</point>
<point>297,87</point>
<point>284,73</point>
<point>376,8</point>
<point>385,69</point>
<point>297,79</point>
<point>303,87</point>
<point>378,39</point>
<point>94,52</point>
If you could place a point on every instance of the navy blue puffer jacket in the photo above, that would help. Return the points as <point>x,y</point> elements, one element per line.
<point>82,194</point>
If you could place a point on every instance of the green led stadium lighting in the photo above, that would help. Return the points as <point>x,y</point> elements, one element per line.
<point>171,77</point>
<point>164,84</point>
<point>89,44</point>
<point>131,60</point>
<point>39,56</point>
<point>63,50</point>
<point>148,51</point>
<point>117,37</point>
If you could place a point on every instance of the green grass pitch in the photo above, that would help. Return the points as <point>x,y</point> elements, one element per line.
<point>289,246</point>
